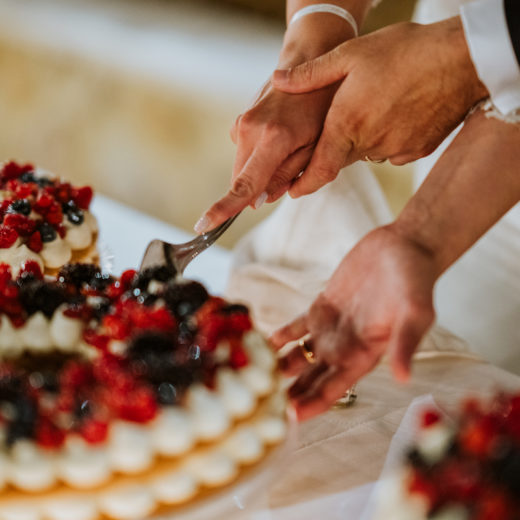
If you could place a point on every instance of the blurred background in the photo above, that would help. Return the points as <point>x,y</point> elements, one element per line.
<point>137,97</point>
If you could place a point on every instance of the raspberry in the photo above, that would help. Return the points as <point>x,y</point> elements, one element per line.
<point>115,327</point>
<point>477,437</point>
<point>429,418</point>
<point>43,202</point>
<point>238,358</point>
<point>8,237</point>
<point>63,192</point>
<point>35,242</point>
<point>100,341</point>
<point>54,214</point>
<point>25,190</point>
<point>12,170</point>
<point>115,291</point>
<point>48,435</point>
<point>23,225</point>
<point>82,197</point>
<point>94,431</point>
<point>127,277</point>
<point>139,406</point>
<point>31,267</point>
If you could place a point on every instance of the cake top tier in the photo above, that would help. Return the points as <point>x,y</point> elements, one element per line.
<point>42,218</point>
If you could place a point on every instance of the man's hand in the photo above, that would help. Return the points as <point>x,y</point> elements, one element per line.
<point>378,300</point>
<point>404,89</point>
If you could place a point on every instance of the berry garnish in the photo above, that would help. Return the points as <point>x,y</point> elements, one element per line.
<point>21,206</point>
<point>47,232</point>
<point>8,237</point>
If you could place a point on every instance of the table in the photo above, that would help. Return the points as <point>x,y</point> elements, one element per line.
<point>341,453</point>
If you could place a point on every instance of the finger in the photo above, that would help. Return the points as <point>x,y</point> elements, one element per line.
<point>233,132</point>
<point>246,188</point>
<point>314,74</point>
<point>294,330</point>
<point>330,155</point>
<point>293,363</point>
<point>289,170</point>
<point>404,342</point>
<point>326,389</point>
<point>306,379</point>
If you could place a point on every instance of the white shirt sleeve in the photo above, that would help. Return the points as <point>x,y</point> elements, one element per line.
<point>487,36</point>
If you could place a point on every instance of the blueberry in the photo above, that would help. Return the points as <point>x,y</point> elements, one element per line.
<point>31,177</point>
<point>22,206</point>
<point>184,299</point>
<point>74,214</point>
<point>47,232</point>
<point>42,296</point>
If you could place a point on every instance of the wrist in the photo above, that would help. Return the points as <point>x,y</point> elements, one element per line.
<point>412,229</point>
<point>458,53</point>
<point>313,36</point>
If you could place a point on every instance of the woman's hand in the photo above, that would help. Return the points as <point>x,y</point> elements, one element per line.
<point>404,88</point>
<point>378,300</point>
<point>275,139</point>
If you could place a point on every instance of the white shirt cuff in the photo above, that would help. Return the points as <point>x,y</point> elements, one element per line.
<point>487,36</point>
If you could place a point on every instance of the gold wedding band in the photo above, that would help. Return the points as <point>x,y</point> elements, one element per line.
<point>375,161</point>
<point>307,351</point>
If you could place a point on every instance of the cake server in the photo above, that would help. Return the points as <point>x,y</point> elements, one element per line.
<point>178,256</point>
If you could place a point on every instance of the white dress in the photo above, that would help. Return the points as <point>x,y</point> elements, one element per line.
<point>478,298</point>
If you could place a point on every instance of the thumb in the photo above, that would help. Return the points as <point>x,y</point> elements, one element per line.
<point>312,75</point>
<point>404,343</point>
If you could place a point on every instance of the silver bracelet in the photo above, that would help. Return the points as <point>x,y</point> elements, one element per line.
<point>326,8</point>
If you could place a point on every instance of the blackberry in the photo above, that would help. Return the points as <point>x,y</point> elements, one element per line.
<point>100,281</point>
<point>101,308</point>
<point>23,421</point>
<point>184,299</point>
<point>78,274</point>
<point>153,356</point>
<point>41,296</point>
<point>47,232</point>
<point>160,273</point>
<point>22,206</point>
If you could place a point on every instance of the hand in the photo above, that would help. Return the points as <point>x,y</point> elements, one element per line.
<point>378,300</point>
<point>404,89</point>
<point>275,139</point>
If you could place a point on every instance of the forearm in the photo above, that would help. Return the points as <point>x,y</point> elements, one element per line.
<point>474,183</point>
<point>318,33</point>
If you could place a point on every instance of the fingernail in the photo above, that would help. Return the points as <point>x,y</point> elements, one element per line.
<point>280,74</point>
<point>202,224</point>
<point>260,200</point>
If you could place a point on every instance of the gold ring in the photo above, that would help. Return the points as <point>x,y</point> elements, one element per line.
<point>307,352</point>
<point>375,161</point>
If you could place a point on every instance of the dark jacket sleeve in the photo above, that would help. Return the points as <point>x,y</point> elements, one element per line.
<point>512,9</point>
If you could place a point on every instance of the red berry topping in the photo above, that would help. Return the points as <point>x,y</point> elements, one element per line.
<point>429,418</point>
<point>35,242</point>
<point>48,435</point>
<point>82,197</point>
<point>31,267</point>
<point>94,432</point>
<point>8,237</point>
<point>23,225</point>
